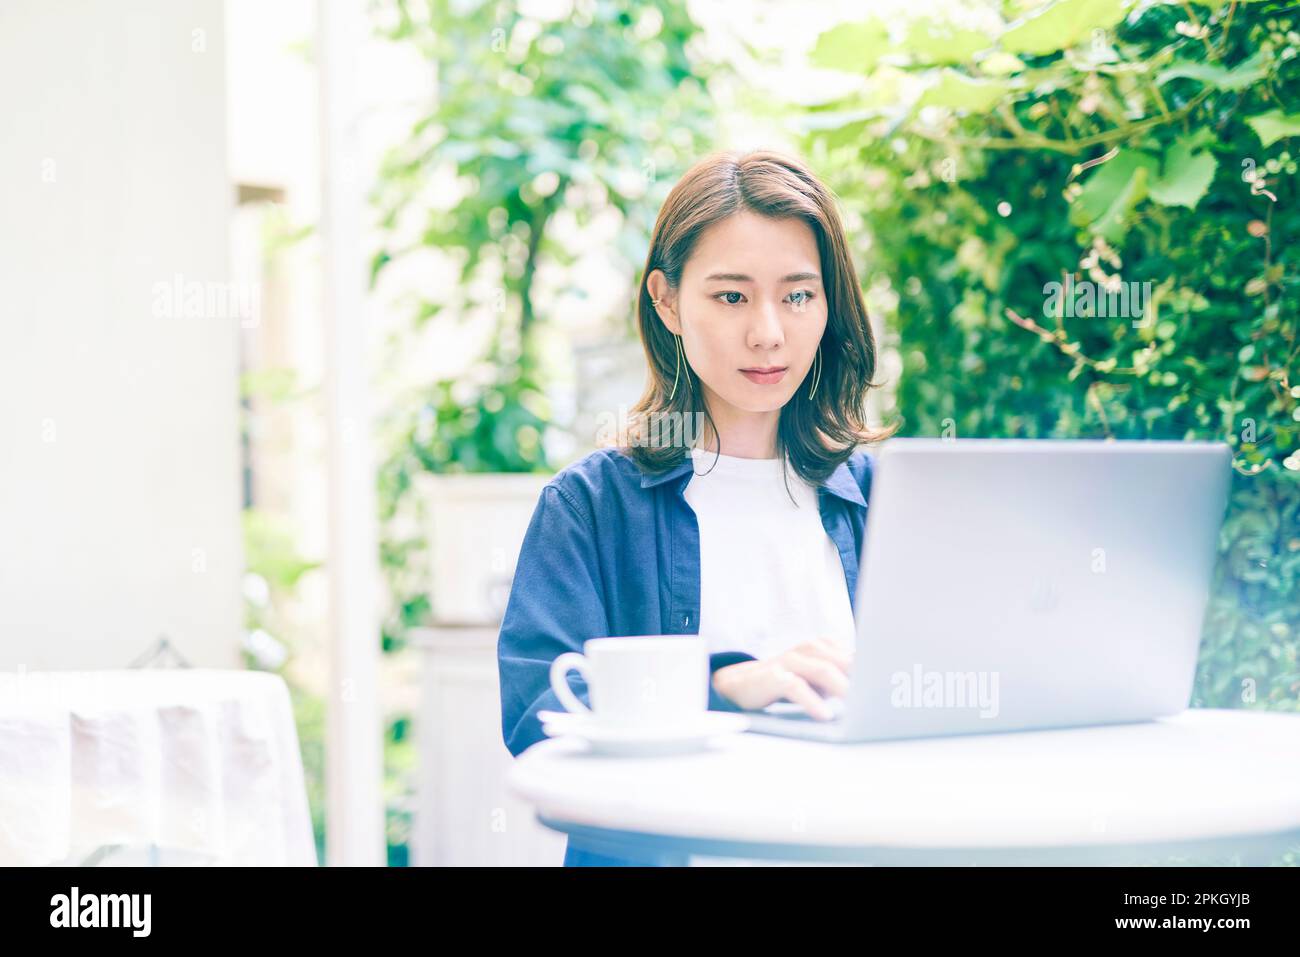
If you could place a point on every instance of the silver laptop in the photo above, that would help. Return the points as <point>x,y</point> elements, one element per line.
<point>1009,584</point>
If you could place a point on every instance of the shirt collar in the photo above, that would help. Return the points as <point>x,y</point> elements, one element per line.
<point>685,467</point>
<point>842,484</point>
<point>839,483</point>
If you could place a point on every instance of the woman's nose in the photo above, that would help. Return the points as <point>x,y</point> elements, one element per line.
<point>766,331</point>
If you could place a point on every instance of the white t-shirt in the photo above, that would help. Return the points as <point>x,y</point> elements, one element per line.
<point>770,576</point>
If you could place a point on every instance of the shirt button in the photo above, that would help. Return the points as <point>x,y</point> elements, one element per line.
<point>686,621</point>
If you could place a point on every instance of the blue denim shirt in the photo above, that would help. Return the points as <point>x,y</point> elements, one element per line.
<point>613,551</point>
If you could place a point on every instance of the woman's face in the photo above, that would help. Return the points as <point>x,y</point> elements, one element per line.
<point>751,298</point>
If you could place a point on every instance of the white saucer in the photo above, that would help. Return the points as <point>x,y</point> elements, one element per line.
<point>690,736</point>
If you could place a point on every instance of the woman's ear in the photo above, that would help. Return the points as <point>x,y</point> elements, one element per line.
<point>666,306</point>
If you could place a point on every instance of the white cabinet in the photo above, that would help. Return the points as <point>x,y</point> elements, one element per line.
<point>477,526</point>
<point>464,814</point>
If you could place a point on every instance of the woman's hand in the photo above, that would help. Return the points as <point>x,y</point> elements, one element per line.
<point>798,674</point>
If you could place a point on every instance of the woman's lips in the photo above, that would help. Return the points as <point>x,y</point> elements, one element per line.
<point>764,377</point>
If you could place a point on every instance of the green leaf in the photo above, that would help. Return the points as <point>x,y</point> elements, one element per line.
<point>378,262</point>
<point>1114,222</point>
<point>1062,25</point>
<point>833,119</point>
<point>1244,74</point>
<point>936,42</point>
<point>851,47</point>
<point>962,92</point>
<point>276,384</point>
<point>270,549</point>
<point>1185,176</point>
<point>1110,192</point>
<point>999,63</point>
<point>1274,125</point>
<point>837,127</point>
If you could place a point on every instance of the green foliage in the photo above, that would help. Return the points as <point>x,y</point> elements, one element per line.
<point>401,765</point>
<point>1251,655</point>
<point>535,116</point>
<point>1109,142</point>
<point>489,420</point>
<point>273,562</point>
<point>310,718</point>
<point>588,113</point>
<point>600,110</point>
<point>269,549</point>
<point>275,384</point>
<point>596,111</point>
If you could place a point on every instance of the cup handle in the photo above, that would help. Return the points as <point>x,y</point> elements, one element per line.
<point>560,668</point>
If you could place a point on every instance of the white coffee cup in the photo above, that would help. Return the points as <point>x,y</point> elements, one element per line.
<point>638,681</point>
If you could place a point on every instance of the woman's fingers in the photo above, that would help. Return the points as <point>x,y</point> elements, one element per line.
<point>790,685</point>
<point>801,675</point>
<point>824,673</point>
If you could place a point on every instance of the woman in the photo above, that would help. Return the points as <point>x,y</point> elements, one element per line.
<point>754,327</point>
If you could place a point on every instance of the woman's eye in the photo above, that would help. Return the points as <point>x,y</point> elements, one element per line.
<point>799,297</point>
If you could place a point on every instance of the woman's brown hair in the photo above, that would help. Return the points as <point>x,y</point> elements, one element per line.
<point>817,434</point>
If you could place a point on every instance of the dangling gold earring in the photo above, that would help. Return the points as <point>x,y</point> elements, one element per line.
<point>678,341</point>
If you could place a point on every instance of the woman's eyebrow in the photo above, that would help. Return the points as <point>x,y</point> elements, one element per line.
<point>741,277</point>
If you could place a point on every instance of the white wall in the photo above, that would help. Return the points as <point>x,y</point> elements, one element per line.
<point>119,455</point>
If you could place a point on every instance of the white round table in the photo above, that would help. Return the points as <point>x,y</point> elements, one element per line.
<point>1201,784</point>
<point>199,766</point>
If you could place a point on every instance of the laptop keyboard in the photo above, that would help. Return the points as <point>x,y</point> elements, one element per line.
<point>788,709</point>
